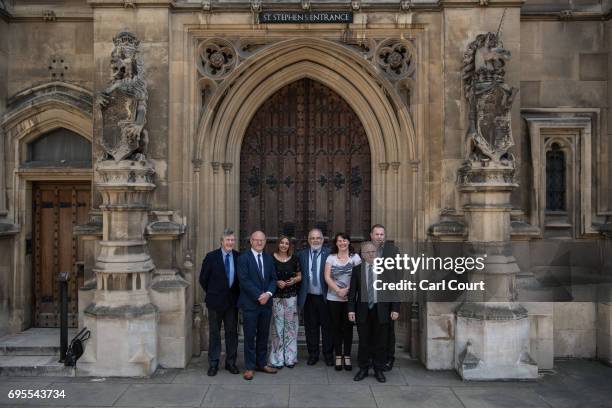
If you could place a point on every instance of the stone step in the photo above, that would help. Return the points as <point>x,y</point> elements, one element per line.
<point>33,342</point>
<point>34,366</point>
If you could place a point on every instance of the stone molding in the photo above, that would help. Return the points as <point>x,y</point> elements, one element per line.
<point>540,123</point>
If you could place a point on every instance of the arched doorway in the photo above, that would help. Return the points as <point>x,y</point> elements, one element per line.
<point>57,207</point>
<point>305,162</point>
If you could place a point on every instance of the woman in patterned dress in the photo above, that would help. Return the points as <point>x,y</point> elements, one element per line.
<point>284,307</point>
<point>338,270</point>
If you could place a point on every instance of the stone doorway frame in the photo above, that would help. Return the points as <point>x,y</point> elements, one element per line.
<point>388,125</point>
<point>21,126</point>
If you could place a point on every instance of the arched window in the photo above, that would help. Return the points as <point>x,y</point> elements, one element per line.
<point>59,148</point>
<point>555,179</point>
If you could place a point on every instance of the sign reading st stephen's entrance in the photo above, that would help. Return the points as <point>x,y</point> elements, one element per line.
<point>305,17</point>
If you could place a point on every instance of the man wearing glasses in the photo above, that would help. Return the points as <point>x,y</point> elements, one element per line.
<point>312,298</point>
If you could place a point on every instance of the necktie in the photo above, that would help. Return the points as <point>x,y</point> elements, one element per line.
<point>260,265</point>
<point>370,287</point>
<point>313,270</point>
<point>228,269</point>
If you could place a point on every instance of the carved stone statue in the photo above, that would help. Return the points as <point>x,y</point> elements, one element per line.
<point>124,102</point>
<point>489,134</point>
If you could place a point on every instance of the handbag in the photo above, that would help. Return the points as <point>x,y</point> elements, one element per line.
<point>76,347</point>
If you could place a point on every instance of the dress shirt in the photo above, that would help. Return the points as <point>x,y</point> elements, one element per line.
<point>368,283</point>
<point>314,290</point>
<point>232,273</point>
<point>263,268</point>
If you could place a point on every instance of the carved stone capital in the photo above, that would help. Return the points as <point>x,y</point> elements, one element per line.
<point>383,166</point>
<point>197,164</point>
<point>227,167</point>
<point>215,166</point>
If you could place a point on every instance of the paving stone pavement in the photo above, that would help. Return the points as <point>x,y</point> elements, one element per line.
<point>573,384</point>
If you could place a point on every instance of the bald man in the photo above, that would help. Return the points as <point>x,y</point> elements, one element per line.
<point>257,278</point>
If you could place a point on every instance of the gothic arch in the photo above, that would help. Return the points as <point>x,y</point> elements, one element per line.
<point>385,117</point>
<point>30,114</point>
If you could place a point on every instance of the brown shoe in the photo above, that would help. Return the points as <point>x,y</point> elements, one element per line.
<point>248,375</point>
<point>267,369</point>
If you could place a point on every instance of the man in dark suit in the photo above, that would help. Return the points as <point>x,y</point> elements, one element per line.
<point>257,286</point>
<point>373,317</point>
<point>219,281</point>
<point>386,249</point>
<point>311,298</point>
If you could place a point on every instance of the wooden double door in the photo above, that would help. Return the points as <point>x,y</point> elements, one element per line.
<point>57,209</point>
<point>305,162</point>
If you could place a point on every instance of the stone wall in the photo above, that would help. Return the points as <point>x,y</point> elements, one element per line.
<point>565,64</point>
<point>47,51</point>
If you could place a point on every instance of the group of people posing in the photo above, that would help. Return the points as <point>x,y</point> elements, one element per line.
<point>334,288</point>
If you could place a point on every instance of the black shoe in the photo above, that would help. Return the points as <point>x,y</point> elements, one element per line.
<point>347,366</point>
<point>338,365</point>
<point>380,376</point>
<point>232,368</point>
<point>388,366</point>
<point>289,365</point>
<point>212,371</point>
<point>312,360</point>
<point>361,374</point>
<point>329,361</point>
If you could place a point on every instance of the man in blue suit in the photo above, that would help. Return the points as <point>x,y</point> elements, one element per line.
<point>257,278</point>
<point>312,298</point>
<point>219,281</point>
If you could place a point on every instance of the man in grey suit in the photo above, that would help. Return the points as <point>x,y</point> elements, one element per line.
<point>385,249</point>
<point>312,298</point>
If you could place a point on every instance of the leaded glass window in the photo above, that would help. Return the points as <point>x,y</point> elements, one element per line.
<point>555,179</point>
<point>59,147</point>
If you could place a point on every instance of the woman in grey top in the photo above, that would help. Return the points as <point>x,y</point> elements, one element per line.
<point>338,270</point>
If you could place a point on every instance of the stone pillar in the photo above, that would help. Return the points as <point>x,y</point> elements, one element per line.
<point>492,329</point>
<point>122,318</point>
<point>604,306</point>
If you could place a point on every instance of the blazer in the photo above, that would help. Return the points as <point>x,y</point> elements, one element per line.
<point>358,298</point>
<point>251,283</point>
<point>304,258</point>
<point>213,279</point>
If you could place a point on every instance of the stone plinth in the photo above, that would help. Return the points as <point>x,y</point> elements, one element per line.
<point>122,318</point>
<point>492,330</point>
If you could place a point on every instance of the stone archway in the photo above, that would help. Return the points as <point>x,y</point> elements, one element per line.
<point>385,118</point>
<point>305,162</point>
<point>30,114</point>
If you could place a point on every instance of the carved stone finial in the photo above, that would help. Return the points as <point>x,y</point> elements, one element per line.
<point>256,6</point>
<point>49,15</point>
<point>489,98</point>
<point>123,104</point>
